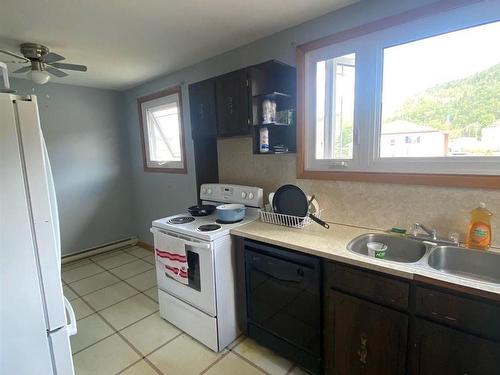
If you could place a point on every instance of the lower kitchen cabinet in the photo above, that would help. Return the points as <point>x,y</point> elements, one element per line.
<point>440,350</point>
<point>378,324</point>
<point>362,337</point>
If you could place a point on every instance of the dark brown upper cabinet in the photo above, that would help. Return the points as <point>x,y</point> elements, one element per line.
<point>228,106</point>
<point>204,131</point>
<point>203,110</point>
<point>232,94</point>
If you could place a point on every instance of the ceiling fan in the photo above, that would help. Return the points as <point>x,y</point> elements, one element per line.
<point>42,62</point>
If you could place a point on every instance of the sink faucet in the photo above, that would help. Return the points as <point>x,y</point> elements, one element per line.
<point>432,233</point>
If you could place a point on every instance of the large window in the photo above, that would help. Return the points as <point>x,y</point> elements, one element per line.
<point>421,97</point>
<point>444,90</point>
<point>162,131</point>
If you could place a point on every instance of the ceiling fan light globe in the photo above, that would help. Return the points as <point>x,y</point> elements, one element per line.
<point>39,76</point>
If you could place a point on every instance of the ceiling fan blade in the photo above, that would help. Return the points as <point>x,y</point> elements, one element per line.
<point>23,69</point>
<point>12,54</point>
<point>56,72</point>
<point>80,68</point>
<point>52,57</point>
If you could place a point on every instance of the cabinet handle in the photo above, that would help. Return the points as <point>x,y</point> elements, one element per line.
<point>445,317</point>
<point>202,111</point>
<point>230,104</point>
<point>363,349</point>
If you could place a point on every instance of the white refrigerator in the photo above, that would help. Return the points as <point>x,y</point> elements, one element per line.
<point>36,320</point>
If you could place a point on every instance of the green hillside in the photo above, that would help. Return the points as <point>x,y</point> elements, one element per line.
<point>461,107</point>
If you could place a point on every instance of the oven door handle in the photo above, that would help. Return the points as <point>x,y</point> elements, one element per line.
<point>197,244</point>
<point>202,245</point>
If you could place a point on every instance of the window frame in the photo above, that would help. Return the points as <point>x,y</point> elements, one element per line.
<point>341,49</point>
<point>149,165</point>
<point>370,166</point>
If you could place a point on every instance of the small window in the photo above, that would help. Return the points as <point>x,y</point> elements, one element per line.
<point>162,131</point>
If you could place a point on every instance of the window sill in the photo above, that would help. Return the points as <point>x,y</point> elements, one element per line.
<point>166,170</point>
<point>456,180</point>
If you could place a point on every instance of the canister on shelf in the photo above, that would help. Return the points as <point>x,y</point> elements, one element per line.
<point>264,140</point>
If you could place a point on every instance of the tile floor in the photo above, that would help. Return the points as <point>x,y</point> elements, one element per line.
<point>120,330</point>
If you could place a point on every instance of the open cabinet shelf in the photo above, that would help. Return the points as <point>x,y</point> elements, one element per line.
<point>278,135</point>
<point>276,83</point>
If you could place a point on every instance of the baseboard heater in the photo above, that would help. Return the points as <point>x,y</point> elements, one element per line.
<point>99,249</point>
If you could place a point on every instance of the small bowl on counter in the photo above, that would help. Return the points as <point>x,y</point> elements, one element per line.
<point>376,249</point>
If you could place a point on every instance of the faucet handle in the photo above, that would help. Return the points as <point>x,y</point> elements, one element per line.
<point>413,229</point>
<point>454,237</point>
<point>434,234</point>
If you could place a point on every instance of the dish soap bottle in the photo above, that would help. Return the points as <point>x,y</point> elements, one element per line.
<point>479,231</point>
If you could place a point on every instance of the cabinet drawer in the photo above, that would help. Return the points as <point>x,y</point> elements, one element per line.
<point>468,314</point>
<point>369,285</point>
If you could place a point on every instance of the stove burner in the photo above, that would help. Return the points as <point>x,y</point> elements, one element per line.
<point>208,227</point>
<point>227,222</point>
<point>181,220</point>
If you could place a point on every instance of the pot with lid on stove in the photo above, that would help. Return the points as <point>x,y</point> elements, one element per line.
<point>230,213</point>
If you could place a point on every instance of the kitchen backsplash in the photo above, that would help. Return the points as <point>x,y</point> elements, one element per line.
<point>372,205</point>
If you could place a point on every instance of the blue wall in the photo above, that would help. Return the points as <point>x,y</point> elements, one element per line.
<point>88,150</point>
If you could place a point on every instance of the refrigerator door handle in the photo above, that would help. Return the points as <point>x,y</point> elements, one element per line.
<point>72,319</point>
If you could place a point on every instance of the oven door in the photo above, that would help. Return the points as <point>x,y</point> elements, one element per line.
<point>200,291</point>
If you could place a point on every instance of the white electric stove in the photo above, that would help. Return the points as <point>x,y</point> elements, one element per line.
<point>207,227</point>
<point>206,307</point>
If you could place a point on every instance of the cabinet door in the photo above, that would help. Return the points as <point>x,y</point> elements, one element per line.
<point>363,338</point>
<point>444,351</point>
<point>205,161</point>
<point>233,103</point>
<point>202,109</point>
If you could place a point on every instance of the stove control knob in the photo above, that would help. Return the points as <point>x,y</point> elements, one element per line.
<point>243,194</point>
<point>204,190</point>
<point>250,195</point>
<point>209,191</point>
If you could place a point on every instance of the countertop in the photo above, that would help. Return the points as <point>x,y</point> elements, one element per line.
<point>332,244</point>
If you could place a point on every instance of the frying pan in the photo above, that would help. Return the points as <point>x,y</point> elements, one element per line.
<point>201,210</point>
<point>291,200</point>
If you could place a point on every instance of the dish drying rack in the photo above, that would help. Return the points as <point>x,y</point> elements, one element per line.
<point>291,221</point>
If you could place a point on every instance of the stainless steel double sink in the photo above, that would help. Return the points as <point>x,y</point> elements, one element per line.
<point>453,260</point>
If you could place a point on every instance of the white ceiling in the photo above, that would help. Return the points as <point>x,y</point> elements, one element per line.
<point>126,42</point>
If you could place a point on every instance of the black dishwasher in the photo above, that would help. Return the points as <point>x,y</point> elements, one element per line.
<point>283,295</point>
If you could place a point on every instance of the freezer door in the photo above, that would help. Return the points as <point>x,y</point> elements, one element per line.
<point>24,345</point>
<point>52,200</point>
<point>37,175</point>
